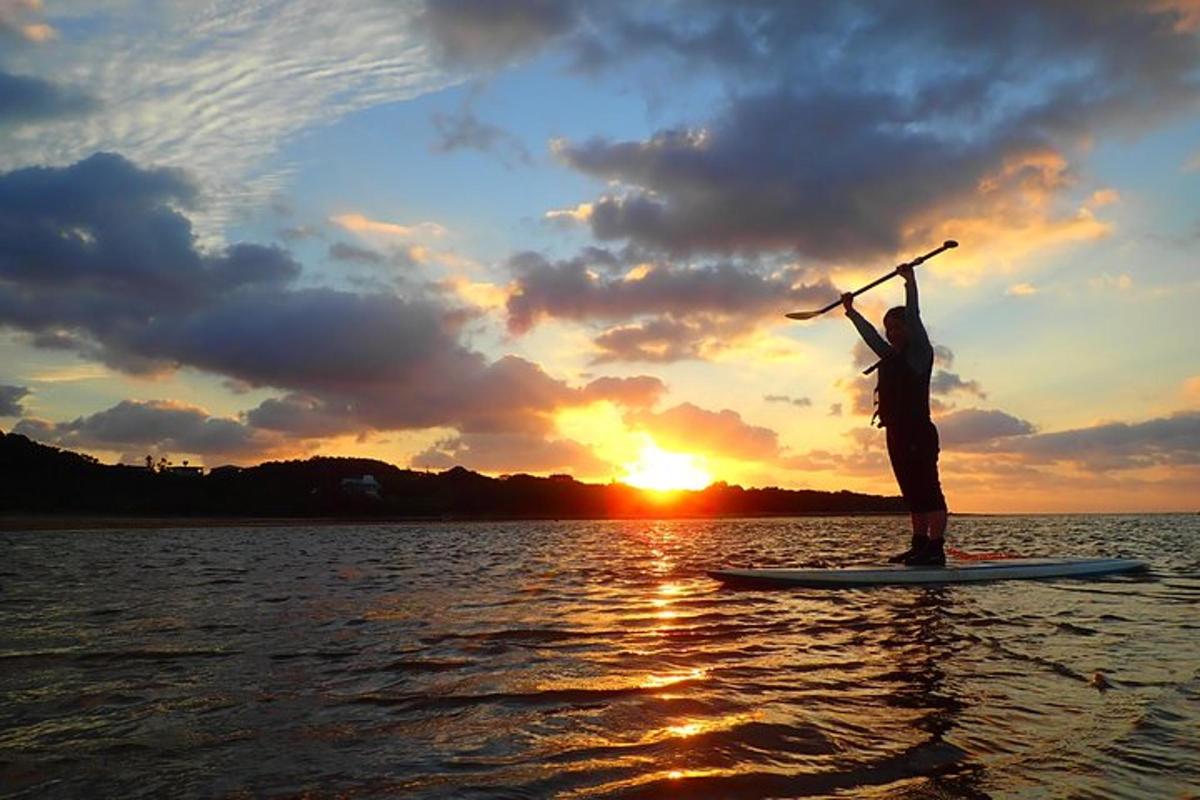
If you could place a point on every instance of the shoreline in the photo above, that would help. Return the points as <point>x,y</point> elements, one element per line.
<point>11,523</point>
<point>16,523</point>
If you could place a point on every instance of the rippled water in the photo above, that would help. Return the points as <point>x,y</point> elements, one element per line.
<point>592,659</point>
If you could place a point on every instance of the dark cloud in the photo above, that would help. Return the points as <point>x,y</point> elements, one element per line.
<point>343,251</point>
<point>661,340</point>
<point>299,233</point>
<point>691,309</point>
<point>970,426</point>
<point>28,99</point>
<point>156,426</point>
<point>828,175</point>
<point>689,428</point>
<point>301,415</point>
<point>483,33</point>
<point>463,130</point>
<point>802,402</point>
<point>100,249</point>
<point>99,257</point>
<point>944,383</point>
<point>1171,441</point>
<point>867,156</point>
<point>10,400</point>
<point>513,453</point>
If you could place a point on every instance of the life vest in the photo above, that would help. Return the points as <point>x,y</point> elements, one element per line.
<point>901,394</point>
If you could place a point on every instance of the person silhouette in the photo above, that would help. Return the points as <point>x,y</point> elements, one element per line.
<point>902,407</point>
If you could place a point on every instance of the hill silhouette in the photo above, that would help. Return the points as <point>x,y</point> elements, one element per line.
<point>47,480</point>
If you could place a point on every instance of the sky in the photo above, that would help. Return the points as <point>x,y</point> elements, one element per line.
<point>561,236</point>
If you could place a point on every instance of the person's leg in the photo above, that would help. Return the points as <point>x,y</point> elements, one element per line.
<point>899,451</point>
<point>936,523</point>
<point>927,496</point>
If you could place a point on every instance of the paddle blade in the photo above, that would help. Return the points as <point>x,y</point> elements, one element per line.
<point>803,314</point>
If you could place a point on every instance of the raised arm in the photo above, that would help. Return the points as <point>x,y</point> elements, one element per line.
<point>912,310</point>
<point>865,329</point>
<point>919,351</point>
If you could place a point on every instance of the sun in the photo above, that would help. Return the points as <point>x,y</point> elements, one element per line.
<point>662,471</point>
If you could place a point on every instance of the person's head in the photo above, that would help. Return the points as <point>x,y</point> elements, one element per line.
<point>895,327</point>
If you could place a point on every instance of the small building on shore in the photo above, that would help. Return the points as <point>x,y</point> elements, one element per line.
<point>366,486</point>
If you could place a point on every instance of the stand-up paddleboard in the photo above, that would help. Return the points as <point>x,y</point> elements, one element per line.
<point>968,571</point>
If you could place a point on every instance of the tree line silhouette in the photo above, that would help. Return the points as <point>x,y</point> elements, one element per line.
<point>41,479</point>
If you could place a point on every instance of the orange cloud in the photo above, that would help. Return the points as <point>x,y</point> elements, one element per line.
<point>1014,211</point>
<point>362,224</point>
<point>1187,13</point>
<point>12,13</point>
<point>1103,197</point>
<point>688,428</point>
<point>1191,391</point>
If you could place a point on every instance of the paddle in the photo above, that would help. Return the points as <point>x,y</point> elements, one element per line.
<point>946,245</point>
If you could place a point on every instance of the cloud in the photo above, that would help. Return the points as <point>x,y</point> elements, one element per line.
<point>1103,197</point>
<point>27,99</point>
<point>219,87</point>
<point>343,251</point>
<point>688,428</point>
<point>482,33</point>
<point>866,458</point>
<point>361,224</point>
<point>692,310</point>
<point>15,21</point>
<point>157,426</point>
<point>945,383</point>
<point>1105,282</point>
<point>463,130</point>
<point>1191,391</point>
<point>97,251</point>
<point>300,416</point>
<point>98,255</point>
<point>802,402</point>
<point>641,391</point>
<point>1021,290</point>
<point>865,160</point>
<point>513,453</point>
<point>661,340</point>
<point>299,233</point>
<point>569,217</point>
<point>970,426</point>
<point>10,400</point>
<point>828,175</point>
<point>1173,440</point>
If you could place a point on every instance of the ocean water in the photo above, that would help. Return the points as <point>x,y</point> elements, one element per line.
<point>592,659</point>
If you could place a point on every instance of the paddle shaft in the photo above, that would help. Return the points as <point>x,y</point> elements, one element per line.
<point>915,262</point>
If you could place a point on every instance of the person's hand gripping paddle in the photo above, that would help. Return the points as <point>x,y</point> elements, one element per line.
<point>949,244</point>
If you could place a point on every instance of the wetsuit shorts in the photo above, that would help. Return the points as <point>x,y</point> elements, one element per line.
<point>913,450</point>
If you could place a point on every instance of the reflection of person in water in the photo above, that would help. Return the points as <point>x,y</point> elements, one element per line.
<point>920,640</point>
<point>905,367</point>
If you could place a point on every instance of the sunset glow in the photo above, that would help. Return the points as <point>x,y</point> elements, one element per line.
<point>660,470</point>
<point>560,238</point>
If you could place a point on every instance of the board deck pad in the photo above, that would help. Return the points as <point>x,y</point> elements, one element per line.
<point>898,574</point>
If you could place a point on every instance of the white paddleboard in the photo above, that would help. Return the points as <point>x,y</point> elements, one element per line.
<point>967,571</point>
